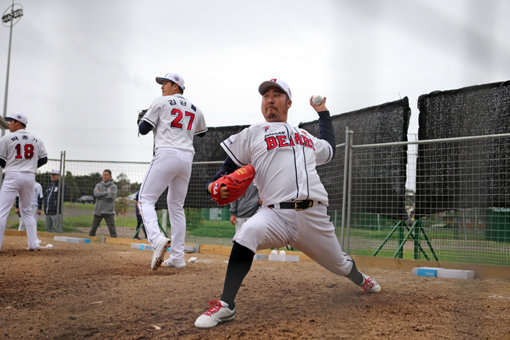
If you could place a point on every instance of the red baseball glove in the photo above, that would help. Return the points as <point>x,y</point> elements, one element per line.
<point>237,183</point>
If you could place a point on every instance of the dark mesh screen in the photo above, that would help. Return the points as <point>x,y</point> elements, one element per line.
<point>379,124</point>
<point>385,123</point>
<point>208,148</point>
<point>452,175</point>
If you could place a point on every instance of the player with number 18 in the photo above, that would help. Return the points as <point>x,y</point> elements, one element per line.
<point>21,153</point>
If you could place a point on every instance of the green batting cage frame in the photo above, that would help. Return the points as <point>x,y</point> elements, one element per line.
<point>416,232</point>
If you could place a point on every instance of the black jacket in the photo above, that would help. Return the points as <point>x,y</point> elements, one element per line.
<point>51,199</point>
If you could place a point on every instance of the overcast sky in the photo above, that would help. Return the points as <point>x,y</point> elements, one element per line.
<point>81,70</point>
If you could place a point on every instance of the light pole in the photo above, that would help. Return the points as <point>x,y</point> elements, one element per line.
<point>10,17</point>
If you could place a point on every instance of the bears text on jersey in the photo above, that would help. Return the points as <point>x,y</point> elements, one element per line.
<point>281,140</point>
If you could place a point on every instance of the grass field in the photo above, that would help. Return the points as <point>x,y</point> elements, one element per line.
<point>448,243</point>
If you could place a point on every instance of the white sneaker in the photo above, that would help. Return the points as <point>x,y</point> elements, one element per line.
<point>216,314</point>
<point>174,264</point>
<point>370,284</point>
<point>37,246</point>
<point>159,252</point>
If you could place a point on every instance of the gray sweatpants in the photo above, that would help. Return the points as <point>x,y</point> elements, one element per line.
<point>110,222</point>
<point>54,223</point>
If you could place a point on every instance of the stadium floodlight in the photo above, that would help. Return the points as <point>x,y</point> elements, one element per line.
<point>10,17</point>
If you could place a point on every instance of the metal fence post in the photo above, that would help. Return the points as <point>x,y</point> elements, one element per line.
<point>349,187</point>
<point>60,198</point>
<point>346,201</point>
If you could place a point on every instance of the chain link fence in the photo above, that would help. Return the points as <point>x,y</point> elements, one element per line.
<point>459,212</point>
<point>445,200</point>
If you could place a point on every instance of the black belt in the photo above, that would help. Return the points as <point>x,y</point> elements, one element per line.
<point>296,205</point>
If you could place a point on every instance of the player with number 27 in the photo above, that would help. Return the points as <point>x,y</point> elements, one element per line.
<point>175,121</point>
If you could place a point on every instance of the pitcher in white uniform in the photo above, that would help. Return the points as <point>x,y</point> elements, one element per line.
<point>21,153</point>
<point>36,205</point>
<point>175,121</point>
<point>294,209</point>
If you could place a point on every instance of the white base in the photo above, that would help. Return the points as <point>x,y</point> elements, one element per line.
<point>143,246</point>
<point>455,273</point>
<point>425,271</point>
<point>192,249</point>
<point>260,257</point>
<point>71,239</point>
<point>444,273</point>
<point>284,258</point>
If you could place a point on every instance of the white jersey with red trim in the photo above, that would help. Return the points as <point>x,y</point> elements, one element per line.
<point>176,121</point>
<point>38,193</point>
<point>21,150</point>
<point>270,148</point>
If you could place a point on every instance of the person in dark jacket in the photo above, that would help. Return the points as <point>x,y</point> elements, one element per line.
<point>139,220</point>
<point>245,207</point>
<point>51,203</point>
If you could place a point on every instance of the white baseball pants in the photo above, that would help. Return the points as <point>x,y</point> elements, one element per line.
<point>21,226</point>
<point>240,221</point>
<point>170,168</point>
<point>308,230</point>
<point>22,184</point>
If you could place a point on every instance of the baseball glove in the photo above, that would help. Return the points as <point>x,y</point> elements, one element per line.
<point>140,116</point>
<point>237,183</point>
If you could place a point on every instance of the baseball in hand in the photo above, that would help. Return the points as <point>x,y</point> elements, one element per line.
<point>317,99</point>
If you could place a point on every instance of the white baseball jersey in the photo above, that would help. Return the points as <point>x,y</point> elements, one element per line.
<point>38,193</point>
<point>21,150</point>
<point>270,148</point>
<point>176,121</point>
